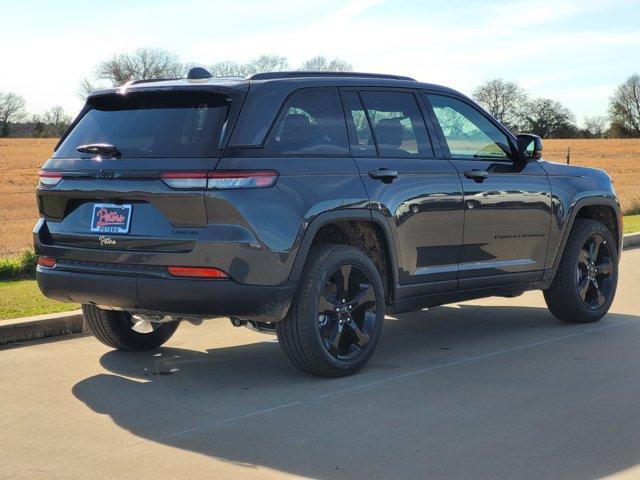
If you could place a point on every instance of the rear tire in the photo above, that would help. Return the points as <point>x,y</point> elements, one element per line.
<point>335,321</point>
<point>587,276</point>
<point>114,329</point>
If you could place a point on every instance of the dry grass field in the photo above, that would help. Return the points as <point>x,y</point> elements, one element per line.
<point>21,158</point>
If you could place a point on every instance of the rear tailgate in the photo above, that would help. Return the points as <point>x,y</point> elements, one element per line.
<point>119,201</point>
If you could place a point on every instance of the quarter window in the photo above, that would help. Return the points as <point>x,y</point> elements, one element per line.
<point>468,133</point>
<point>397,124</point>
<point>311,123</point>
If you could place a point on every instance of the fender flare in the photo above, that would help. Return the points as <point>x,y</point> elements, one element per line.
<point>601,199</point>
<point>325,218</point>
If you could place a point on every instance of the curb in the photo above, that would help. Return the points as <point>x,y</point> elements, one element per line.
<point>40,326</point>
<point>630,240</point>
<point>54,324</point>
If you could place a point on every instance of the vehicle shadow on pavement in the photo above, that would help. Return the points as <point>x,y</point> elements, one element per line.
<point>448,392</point>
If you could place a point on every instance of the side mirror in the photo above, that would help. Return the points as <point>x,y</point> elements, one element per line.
<point>529,146</point>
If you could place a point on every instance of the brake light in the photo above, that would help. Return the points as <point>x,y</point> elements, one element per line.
<point>185,180</point>
<point>220,179</point>
<point>46,262</point>
<point>48,179</point>
<point>242,179</point>
<point>197,272</point>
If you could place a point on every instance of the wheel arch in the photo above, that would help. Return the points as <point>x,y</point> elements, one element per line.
<point>603,208</point>
<point>337,219</point>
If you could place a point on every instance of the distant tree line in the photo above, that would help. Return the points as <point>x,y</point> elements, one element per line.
<point>505,100</point>
<point>511,105</point>
<point>15,122</point>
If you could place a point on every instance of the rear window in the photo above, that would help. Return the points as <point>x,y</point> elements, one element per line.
<point>152,124</point>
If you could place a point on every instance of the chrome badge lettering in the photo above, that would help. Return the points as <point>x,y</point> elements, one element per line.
<point>106,240</point>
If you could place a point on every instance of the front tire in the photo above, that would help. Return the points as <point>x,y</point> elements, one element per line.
<point>115,329</point>
<point>585,283</point>
<point>335,321</point>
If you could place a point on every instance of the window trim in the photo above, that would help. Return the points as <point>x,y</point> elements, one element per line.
<point>283,105</point>
<point>443,140</point>
<point>437,153</point>
<point>351,132</point>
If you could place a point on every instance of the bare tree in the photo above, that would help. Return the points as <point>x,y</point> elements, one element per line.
<point>624,108</point>
<point>11,111</point>
<point>264,63</point>
<point>85,88</point>
<point>267,63</point>
<point>322,64</point>
<point>144,63</point>
<point>39,126</point>
<point>56,121</point>
<point>502,99</point>
<point>228,68</point>
<point>549,119</point>
<point>596,125</point>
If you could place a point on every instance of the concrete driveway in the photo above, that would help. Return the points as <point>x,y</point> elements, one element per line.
<point>494,388</point>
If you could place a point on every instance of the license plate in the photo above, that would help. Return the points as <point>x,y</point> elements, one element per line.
<point>109,218</point>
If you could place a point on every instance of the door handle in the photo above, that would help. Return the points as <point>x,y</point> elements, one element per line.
<point>477,176</point>
<point>384,174</point>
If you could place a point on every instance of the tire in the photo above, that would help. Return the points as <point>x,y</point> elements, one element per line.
<point>573,296</point>
<point>323,336</point>
<point>114,329</point>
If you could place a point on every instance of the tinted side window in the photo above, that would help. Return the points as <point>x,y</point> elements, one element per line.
<point>468,133</point>
<point>361,139</point>
<point>311,123</point>
<point>397,124</point>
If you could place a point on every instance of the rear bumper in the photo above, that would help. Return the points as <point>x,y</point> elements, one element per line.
<point>179,296</point>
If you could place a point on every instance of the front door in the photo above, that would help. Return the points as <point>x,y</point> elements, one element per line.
<point>420,194</point>
<point>507,202</point>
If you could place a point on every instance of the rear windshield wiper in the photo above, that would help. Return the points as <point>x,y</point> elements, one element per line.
<point>100,149</point>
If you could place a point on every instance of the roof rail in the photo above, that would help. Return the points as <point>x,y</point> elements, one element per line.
<point>275,75</point>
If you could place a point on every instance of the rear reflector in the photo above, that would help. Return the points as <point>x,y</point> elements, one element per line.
<point>46,262</point>
<point>197,272</point>
<point>49,179</point>
<point>242,179</point>
<point>220,180</point>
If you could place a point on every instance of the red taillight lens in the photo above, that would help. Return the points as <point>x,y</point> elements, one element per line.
<point>185,180</point>
<point>49,179</point>
<point>197,272</point>
<point>242,179</point>
<point>46,262</point>
<point>219,180</point>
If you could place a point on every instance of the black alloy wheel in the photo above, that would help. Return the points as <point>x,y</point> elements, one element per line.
<point>594,272</point>
<point>347,312</point>
<point>336,317</point>
<point>585,281</point>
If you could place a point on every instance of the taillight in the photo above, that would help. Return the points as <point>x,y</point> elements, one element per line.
<point>48,179</point>
<point>242,179</point>
<point>185,180</point>
<point>220,179</point>
<point>197,272</point>
<point>46,262</point>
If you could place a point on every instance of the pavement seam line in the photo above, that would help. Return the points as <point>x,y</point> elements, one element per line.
<point>386,380</point>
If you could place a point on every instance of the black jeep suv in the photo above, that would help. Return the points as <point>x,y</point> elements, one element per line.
<point>308,204</point>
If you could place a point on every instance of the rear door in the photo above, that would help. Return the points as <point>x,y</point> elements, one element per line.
<point>507,201</point>
<point>419,193</point>
<point>145,196</point>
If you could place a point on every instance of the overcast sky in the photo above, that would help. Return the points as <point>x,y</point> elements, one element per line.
<point>574,51</point>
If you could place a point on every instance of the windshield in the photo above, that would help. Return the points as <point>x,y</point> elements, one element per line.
<point>151,124</point>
